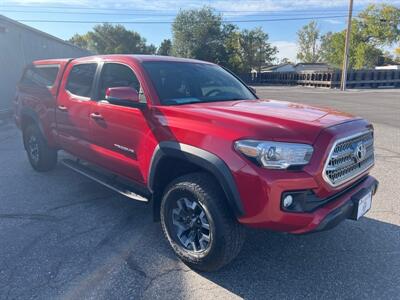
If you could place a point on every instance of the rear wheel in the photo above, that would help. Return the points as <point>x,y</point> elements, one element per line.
<point>40,155</point>
<point>198,224</point>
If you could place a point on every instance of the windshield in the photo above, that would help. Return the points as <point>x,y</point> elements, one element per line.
<point>183,83</point>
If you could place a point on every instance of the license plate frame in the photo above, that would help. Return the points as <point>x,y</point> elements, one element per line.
<point>362,205</point>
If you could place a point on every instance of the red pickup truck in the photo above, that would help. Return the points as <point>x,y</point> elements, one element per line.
<point>197,143</point>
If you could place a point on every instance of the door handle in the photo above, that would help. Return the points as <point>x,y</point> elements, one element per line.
<point>62,108</point>
<point>96,116</point>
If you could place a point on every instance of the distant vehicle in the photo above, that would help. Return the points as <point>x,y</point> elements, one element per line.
<point>199,145</point>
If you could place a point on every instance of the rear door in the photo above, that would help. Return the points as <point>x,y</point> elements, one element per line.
<point>74,108</point>
<point>37,91</point>
<point>119,131</point>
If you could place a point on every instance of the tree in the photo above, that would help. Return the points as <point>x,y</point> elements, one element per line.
<point>376,27</point>
<point>361,54</point>
<point>380,24</point>
<point>232,57</point>
<point>307,39</point>
<point>285,60</point>
<point>165,47</point>
<point>397,55</point>
<point>200,34</point>
<point>197,34</point>
<point>397,51</point>
<point>257,51</point>
<point>80,40</point>
<point>111,39</point>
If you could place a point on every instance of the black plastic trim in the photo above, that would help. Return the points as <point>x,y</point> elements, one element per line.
<point>30,113</point>
<point>346,211</point>
<point>336,217</point>
<point>306,201</point>
<point>203,159</point>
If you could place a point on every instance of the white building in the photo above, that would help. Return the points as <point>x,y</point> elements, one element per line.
<point>390,67</point>
<point>300,67</point>
<point>288,67</point>
<point>312,67</point>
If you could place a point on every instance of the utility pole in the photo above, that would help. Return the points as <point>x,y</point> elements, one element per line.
<point>346,48</point>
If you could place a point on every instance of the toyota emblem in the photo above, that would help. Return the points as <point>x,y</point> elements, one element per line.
<point>360,152</point>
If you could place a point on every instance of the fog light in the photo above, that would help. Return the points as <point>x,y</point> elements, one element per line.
<point>287,201</point>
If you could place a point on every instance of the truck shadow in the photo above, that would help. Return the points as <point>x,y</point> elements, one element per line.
<point>66,235</point>
<point>355,259</point>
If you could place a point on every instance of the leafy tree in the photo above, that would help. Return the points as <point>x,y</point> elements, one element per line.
<point>257,51</point>
<point>232,56</point>
<point>285,60</point>
<point>397,55</point>
<point>80,40</point>
<point>197,34</point>
<point>397,52</point>
<point>307,39</point>
<point>380,24</point>
<point>165,47</point>
<point>111,39</point>
<point>376,27</point>
<point>200,34</point>
<point>389,58</point>
<point>361,54</point>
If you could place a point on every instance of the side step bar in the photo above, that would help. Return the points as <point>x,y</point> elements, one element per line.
<point>118,187</point>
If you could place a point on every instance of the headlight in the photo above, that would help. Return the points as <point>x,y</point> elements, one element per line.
<point>275,155</point>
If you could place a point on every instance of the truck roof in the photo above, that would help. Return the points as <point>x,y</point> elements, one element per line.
<point>139,58</point>
<point>51,61</point>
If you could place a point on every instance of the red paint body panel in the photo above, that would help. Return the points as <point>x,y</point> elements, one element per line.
<point>213,127</point>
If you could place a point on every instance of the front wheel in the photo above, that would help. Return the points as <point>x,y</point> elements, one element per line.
<point>198,224</point>
<point>40,155</point>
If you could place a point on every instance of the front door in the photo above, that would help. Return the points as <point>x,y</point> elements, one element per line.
<point>119,131</point>
<point>74,108</point>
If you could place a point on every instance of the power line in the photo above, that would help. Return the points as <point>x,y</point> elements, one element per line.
<point>168,10</point>
<point>170,22</point>
<point>160,15</point>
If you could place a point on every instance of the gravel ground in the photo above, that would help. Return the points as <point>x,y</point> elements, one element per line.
<point>63,236</point>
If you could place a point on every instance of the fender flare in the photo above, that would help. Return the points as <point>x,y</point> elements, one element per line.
<point>204,159</point>
<point>30,113</point>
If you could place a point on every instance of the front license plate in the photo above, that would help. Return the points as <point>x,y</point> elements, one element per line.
<point>364,205</point>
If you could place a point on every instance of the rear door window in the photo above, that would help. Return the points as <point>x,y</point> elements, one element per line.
<point>40,76</point>
<point>80,79</point>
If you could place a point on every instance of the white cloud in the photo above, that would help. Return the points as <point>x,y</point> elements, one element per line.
<point>240,6</point>
<point>333,21</point>
<point>47,2</point>
<point>286,49</point>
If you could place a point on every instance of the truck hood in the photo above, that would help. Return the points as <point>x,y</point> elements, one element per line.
<point>267,119</point>
<point>265,109</point>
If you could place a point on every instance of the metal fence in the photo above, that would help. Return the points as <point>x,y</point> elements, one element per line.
<point>355,79</point>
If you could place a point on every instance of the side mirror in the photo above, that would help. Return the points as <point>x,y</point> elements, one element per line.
<point>124,96</point>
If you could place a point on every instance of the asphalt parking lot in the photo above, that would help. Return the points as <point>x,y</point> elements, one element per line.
<point>64,236</point>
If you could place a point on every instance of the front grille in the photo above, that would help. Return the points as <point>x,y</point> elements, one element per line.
<point>349,158</point>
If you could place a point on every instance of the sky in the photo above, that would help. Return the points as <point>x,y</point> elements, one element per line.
<point>271,15</point>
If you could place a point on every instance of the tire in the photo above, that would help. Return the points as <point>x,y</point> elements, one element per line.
<point>41,157</point>
<point>224,239</point>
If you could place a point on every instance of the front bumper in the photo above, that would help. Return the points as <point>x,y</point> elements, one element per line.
<point>329,214</point>
<point>347,210</point>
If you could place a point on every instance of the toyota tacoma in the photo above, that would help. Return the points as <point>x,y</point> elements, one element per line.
<point>194,141</point>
